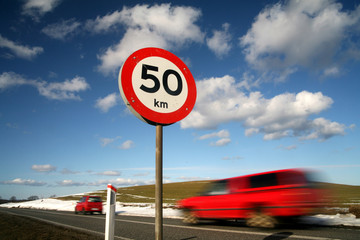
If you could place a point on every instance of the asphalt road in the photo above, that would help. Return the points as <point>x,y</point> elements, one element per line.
<point>142,228</point>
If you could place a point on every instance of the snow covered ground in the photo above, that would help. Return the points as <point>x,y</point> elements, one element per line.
<point>131,209</point>
<point>145,209</point>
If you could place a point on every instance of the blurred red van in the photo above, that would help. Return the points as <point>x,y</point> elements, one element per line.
<point>260,198</point>
<point>89,204</point>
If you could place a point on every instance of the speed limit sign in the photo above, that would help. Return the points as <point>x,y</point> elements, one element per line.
<point>157,86</point>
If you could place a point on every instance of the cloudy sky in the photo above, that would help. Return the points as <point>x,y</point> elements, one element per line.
<point>277,87</point>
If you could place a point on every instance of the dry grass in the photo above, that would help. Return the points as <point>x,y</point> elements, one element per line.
<point>355,209</point>
<point>172,192</point>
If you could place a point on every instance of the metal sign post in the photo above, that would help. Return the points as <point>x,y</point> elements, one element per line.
<point>110,212</point>
<point>160,90</point>
<point>159,184</point>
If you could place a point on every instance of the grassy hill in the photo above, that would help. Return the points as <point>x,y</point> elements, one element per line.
<point>172,192</point>
<point>345,195</point>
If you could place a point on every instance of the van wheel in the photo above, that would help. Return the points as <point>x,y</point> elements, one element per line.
<point>189,217</point>
<point>260,219</point>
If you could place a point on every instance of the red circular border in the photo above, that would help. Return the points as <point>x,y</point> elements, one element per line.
<point>137,105</point>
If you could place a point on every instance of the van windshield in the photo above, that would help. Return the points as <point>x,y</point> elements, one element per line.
<point>215,188</point>
<point>94,199</point>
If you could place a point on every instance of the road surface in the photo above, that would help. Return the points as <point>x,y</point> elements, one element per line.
<point>142,228</point>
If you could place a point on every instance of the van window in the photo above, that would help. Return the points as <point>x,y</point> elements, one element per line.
<point>264,180</point>
<point>216,188</point>
<point>291,177</point>
<point>237,184</point>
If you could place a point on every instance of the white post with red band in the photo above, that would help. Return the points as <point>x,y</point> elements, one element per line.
<point>110,212</point>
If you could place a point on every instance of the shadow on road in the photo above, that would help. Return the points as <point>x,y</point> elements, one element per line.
<point>285,227</point>
<point>279,236</point>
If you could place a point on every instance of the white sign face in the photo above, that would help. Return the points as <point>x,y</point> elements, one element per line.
<point>159,85</point>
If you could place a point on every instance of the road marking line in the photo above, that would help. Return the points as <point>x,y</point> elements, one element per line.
<point>176,226</point>
<point>251,233</point>
<point>229,231</point>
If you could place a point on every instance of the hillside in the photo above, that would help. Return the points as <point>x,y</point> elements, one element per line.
<point>344,195</point>
<point>172,192</point>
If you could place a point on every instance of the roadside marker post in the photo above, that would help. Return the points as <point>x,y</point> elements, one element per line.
<point>159,89</point>
<point>110,212</point>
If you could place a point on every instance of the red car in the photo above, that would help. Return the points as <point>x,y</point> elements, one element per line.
<point>89,204</point>
<point>261,199</point>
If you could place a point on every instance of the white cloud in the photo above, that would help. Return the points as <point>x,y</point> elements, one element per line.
<point>219,43</point>
<point>144,174</point>
<point>68,171</point>
<point>224,136</point>
<point>104,24</point>
<point>220,100</point>
<point>43,168</point>
<point>276,134</point>
<point>332,71</point>
<point>62,29</point>
<point>110,173</point>
<point>251,131</point>
<point>107,141</point>
<point>20,51</point>
<point>133,40</point>
<point>104,104</point>
<point>11,79</point>
<point>161,26</point>
<point>291,147</point>
<point>37,8</point>
<point>120,182</point>
<point>310,34</point>
<point>26,182</point>
<point>56,90</point>
<point>325,129</point>
<point>12,125</point>
<point>219,134</point>
<point>63,90</point>
<point>69,183</point>
<point>116,182</point>
<point>221,142</point>
<point>126,145</point>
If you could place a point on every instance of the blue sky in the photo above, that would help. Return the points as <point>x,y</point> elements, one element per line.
<point>277,87</point>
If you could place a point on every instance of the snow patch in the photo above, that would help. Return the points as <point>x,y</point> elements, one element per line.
<point>148,210</point>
